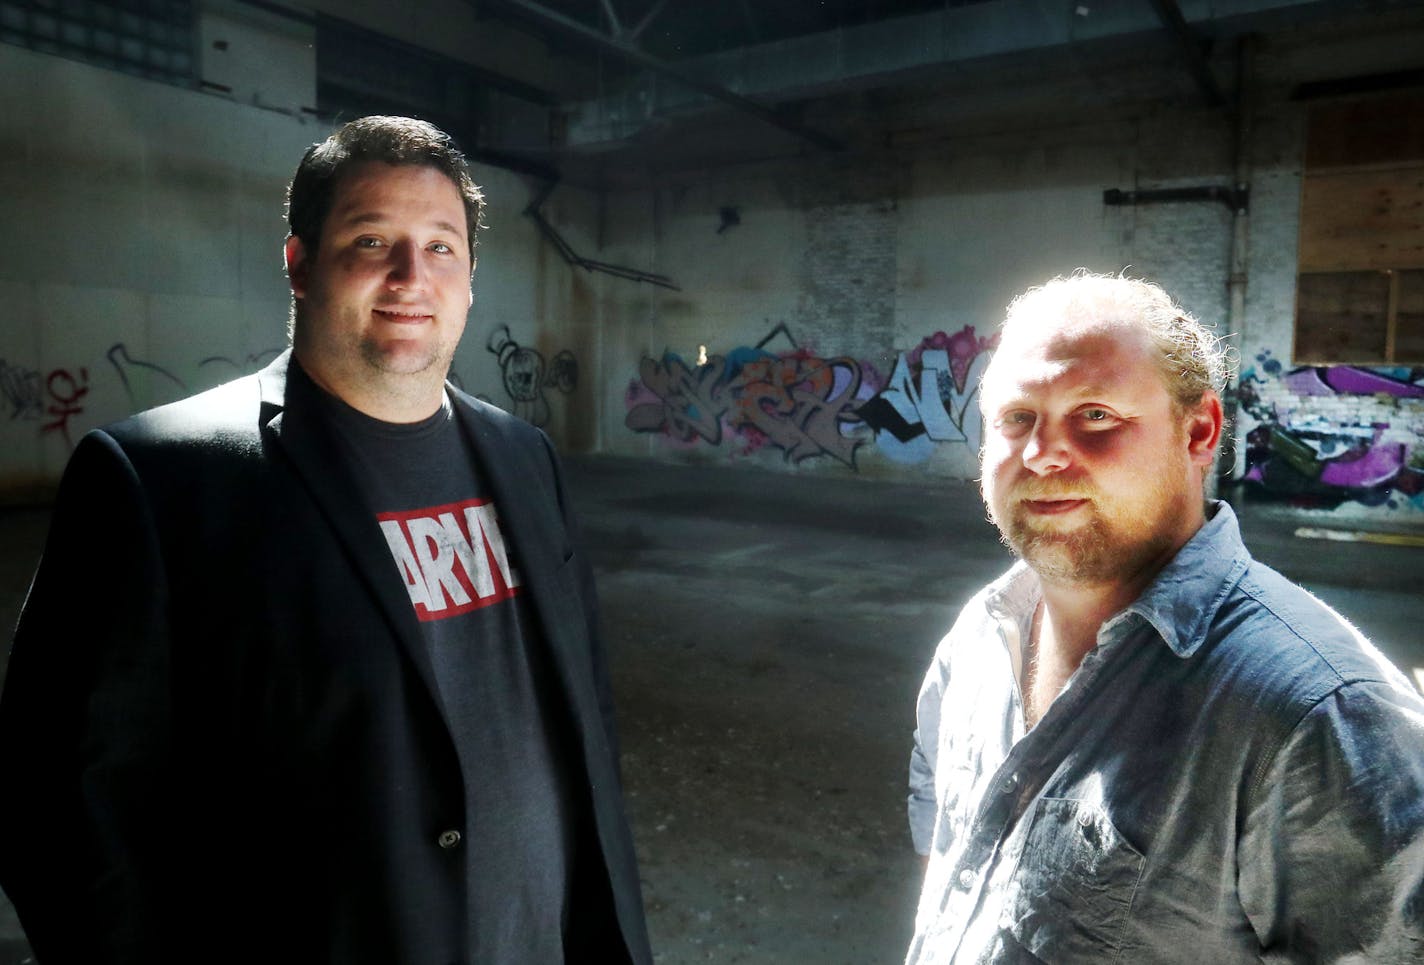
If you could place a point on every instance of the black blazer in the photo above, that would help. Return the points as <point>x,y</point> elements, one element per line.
<point>220,734</point>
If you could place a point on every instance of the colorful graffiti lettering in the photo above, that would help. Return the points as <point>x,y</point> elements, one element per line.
<point>810,406</point>
<point>931,396</point>
<point>687,404</point>
<point>795,401</point>
<point>526,375</point>
<point>799,403</point>
<point>23,391</point>
<point>1321,436</point>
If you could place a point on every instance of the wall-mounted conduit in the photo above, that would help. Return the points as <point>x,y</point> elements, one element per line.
<point>1238,199</point>
<point>551,234</point>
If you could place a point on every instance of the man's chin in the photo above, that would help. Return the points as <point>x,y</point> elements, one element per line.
<point>402,358</point>
<point>1070,557</point>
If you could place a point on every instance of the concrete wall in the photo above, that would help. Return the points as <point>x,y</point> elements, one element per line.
<point>890,282</point>
<point>892,278</point>
<point>144,263</point>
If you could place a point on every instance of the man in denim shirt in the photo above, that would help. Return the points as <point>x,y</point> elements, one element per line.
<point>1139,744</point>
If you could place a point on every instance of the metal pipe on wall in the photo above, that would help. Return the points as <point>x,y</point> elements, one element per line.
<point>1231,463</point>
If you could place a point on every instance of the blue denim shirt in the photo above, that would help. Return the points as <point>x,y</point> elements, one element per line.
<point>1233,774</point>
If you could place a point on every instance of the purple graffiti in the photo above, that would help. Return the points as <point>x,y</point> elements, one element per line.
<point>1313,450</point>
<point>1308,382</point>
<point>1349,380</point>
<point>1375,467</point>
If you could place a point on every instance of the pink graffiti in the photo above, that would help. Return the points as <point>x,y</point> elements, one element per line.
<point>963,347</point>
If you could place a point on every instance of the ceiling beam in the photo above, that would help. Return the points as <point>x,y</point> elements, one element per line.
<point>1189,45</point>
<point>627,52</point>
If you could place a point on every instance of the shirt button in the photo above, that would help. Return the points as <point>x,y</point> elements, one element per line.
<point>966,878</point>
<point>448,839</point>
<point>1010,782</point>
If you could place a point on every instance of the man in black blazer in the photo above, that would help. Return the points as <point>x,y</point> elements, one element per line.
<point>310,671</point>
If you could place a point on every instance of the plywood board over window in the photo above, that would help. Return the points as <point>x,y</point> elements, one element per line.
<point>1360,291</point>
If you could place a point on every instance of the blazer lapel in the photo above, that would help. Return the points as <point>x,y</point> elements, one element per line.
<point>522,487</point>
<point>309,444</point>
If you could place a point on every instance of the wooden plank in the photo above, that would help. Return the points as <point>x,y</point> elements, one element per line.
<point>1341,318</point>
<point>1360,220</point>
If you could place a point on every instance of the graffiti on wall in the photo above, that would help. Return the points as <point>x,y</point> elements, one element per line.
<point>52,400</point>
<point>527,376</point>
<point>130,369</point>
<point>55,400</point>
<point>1322,436</point>
<point>793,400</point>
<point>23,391</point>
<point>931,396</point>
<point>809,406</point>
<point>66,391</point>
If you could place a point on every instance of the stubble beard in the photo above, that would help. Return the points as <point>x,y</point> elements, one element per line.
<point>1096,551</point>
<point>434,360</point>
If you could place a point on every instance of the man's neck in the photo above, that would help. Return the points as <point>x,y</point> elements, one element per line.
<point>1064,629</point>
<point>388,398</point>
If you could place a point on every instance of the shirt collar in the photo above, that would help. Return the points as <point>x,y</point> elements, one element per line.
<point>1182,601</point>
<point>1014,595</point>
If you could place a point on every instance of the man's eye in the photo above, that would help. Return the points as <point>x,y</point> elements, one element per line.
<point>441,248</point>
<point>1018,419</point>
<point>1097,416</point>
<point>368,242</point>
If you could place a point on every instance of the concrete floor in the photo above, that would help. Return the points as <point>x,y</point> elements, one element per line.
<point>769,632</point>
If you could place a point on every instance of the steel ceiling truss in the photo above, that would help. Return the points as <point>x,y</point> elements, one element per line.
<point>623,44</point>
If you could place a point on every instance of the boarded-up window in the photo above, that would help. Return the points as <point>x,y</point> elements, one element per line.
<point>1360,292</point>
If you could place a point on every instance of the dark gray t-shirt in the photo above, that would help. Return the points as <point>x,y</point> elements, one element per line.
<point>522,831</point>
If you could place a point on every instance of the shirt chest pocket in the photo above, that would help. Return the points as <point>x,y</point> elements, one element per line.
<point>1072,891</point>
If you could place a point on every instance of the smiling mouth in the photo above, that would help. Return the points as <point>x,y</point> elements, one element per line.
<point>403,316</point>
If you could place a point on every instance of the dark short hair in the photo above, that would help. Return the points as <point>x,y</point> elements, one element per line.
<point>392,140</point>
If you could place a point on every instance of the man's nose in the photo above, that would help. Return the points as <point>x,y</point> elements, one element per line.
<point>406,268</point>
<point>1047,449</point>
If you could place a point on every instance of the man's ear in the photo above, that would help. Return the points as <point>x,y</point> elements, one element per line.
<point>1204,424</point>
<point>295,255</point>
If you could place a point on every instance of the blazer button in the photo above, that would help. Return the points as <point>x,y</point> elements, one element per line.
<point>448,839</point>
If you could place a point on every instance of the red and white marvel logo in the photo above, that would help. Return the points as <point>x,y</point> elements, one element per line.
<point>452,557</point>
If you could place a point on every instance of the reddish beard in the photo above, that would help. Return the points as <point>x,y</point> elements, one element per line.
<point>1091,546</point>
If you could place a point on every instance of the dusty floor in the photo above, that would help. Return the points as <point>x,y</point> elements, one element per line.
<point>769,632</point>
